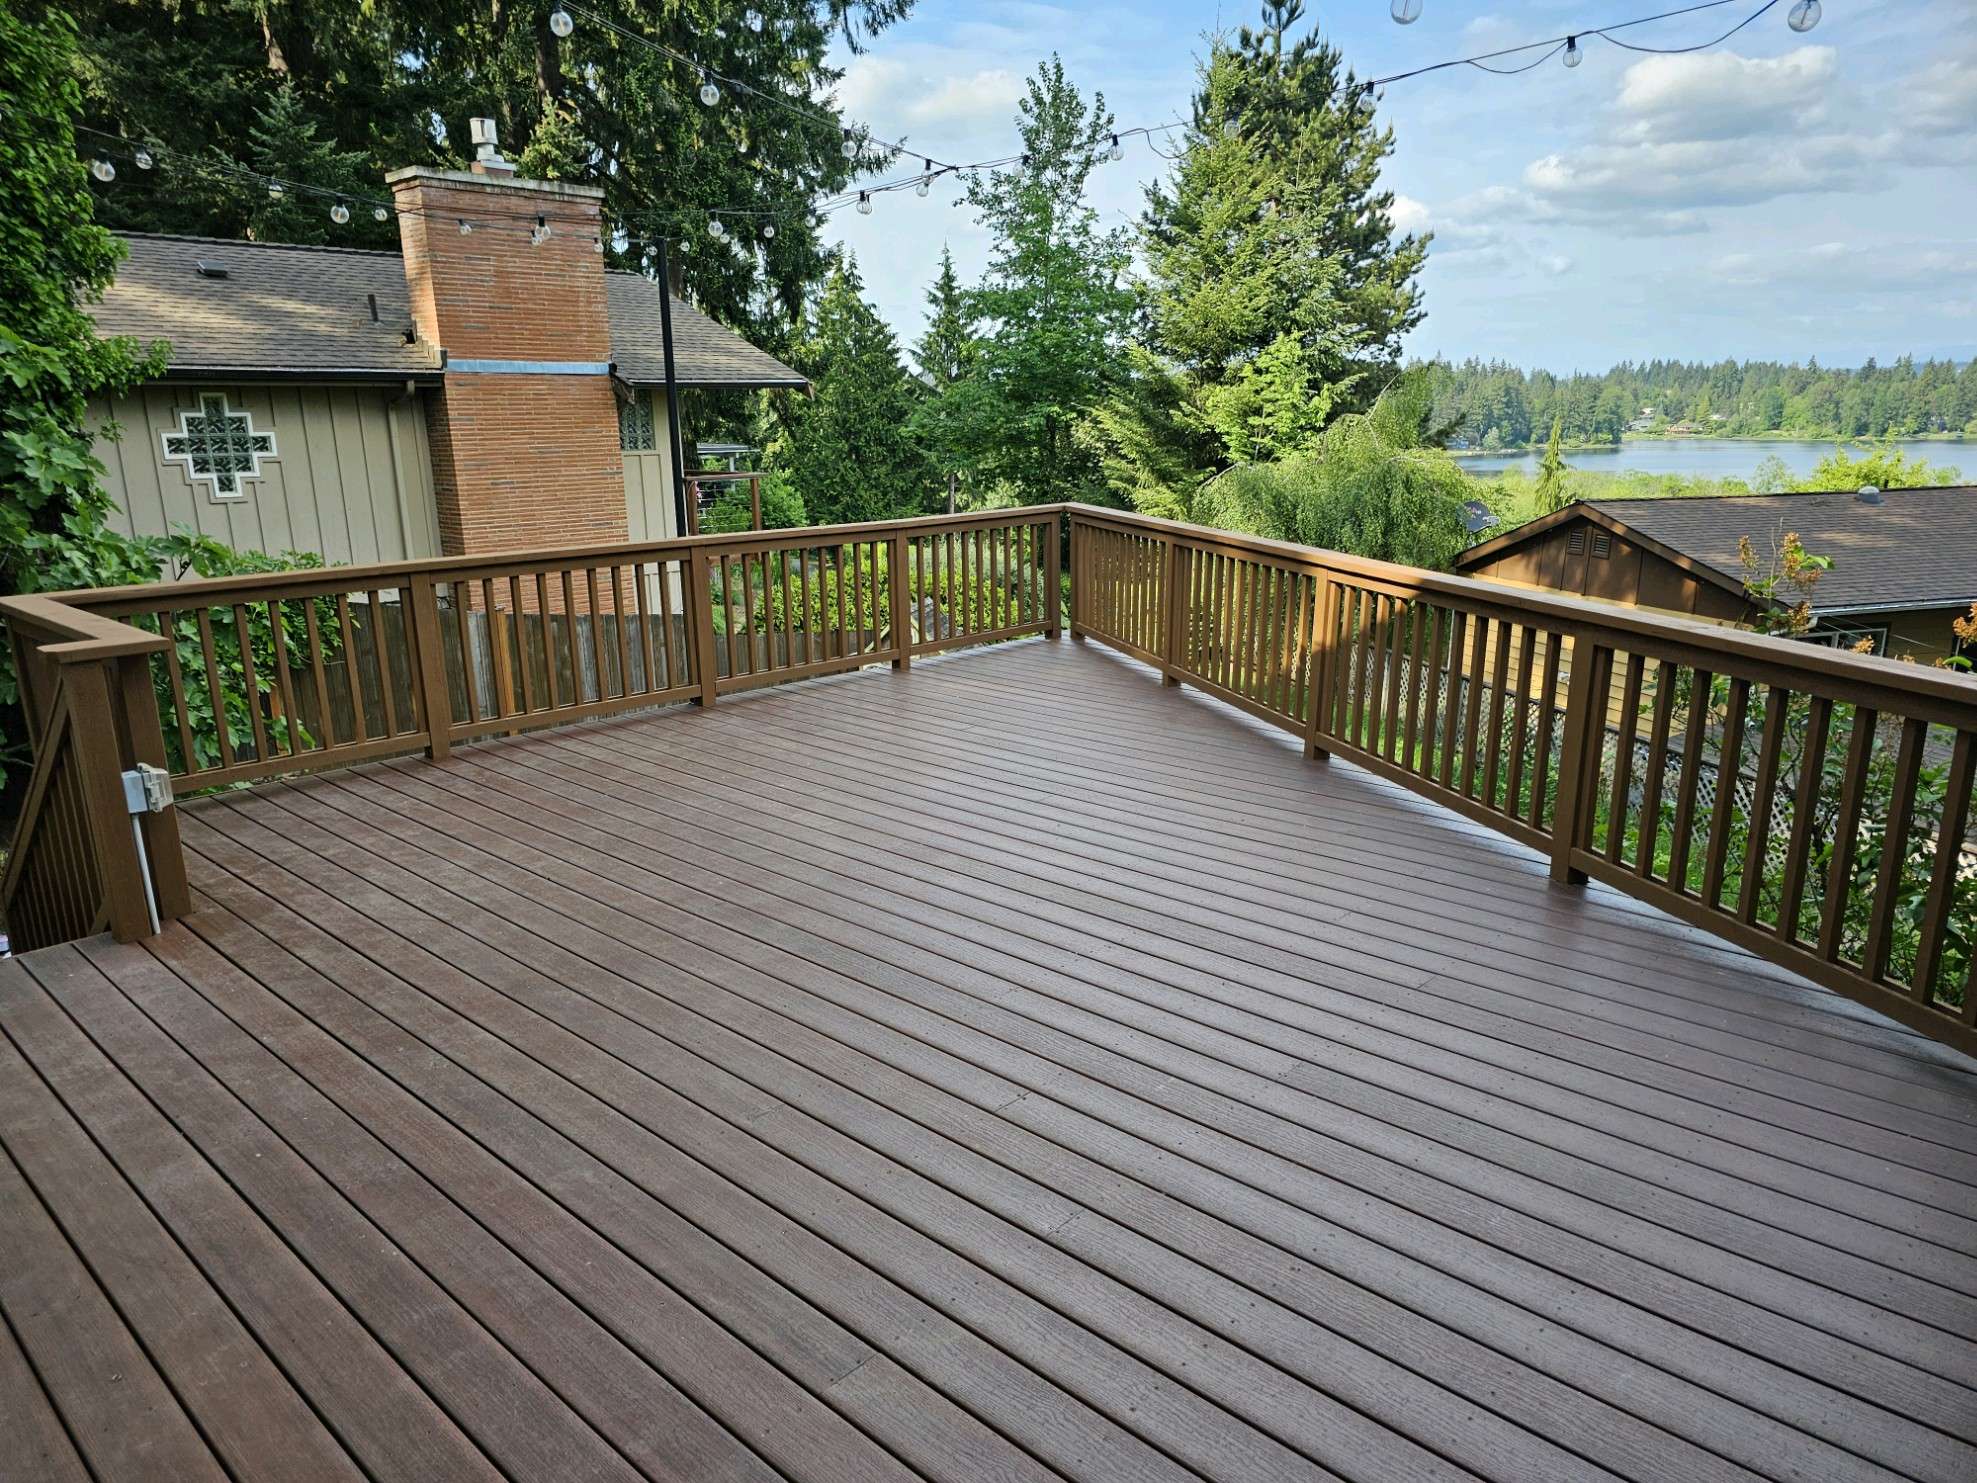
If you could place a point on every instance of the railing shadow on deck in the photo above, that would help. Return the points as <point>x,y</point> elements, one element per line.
<point>1808,805</point>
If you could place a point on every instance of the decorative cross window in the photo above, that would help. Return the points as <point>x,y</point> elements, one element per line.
<point>220,446</point>
<point>636,433</point>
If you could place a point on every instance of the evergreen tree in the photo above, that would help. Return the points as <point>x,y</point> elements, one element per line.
<point>1053,301</point>
<point>947,354</point>
<point>396,82</point>
<point>848,451</point>
<point>1551,475</point>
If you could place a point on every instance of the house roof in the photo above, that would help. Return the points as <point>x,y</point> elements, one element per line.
<point>297,311</point>
<point>1916,548</point>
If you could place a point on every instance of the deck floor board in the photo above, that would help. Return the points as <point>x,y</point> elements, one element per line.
<point>1004,1070</point>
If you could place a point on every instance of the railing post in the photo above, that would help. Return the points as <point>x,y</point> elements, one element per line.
<point>755,501</point>
<point>1173,611</point>
<point>1579,756</point>
<point>99,769</point>
<point>147,747</point>
<point>434,700</point>
<point>1053,581</point>
<point>1080,595</point>
<point>1324,625</point>
<point>700,623</point>
<point>902,606</point>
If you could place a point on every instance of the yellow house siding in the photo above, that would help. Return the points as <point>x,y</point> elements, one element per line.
<point>333,487</point>
<point>649,510</point>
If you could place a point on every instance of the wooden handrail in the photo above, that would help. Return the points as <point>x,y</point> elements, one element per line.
<point>1845,865</point>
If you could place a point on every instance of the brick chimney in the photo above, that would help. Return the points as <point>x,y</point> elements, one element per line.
<point>506,279</point>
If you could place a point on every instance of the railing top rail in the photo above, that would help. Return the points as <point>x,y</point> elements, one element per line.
<point>73,635</point>
<point>194,592</point>
<point>1604,622</point>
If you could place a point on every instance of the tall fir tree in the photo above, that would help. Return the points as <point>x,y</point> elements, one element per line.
<point>848,448</point>
<point>397,81</point>
<point>1551,494</point>
<point>1054,302</point>
<point>946,354</point>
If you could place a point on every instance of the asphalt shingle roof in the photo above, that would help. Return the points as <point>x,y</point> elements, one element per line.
<point>295,310</point>
<point>1917,547</point>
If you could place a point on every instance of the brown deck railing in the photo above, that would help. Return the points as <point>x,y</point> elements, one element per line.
<point>1809,805</point>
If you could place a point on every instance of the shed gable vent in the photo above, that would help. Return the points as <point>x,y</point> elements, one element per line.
<point>1602,545</point>
<point>1577,544</point>
<point>208,268</point>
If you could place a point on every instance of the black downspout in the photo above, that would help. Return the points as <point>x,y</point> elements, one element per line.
<point>680,526</point>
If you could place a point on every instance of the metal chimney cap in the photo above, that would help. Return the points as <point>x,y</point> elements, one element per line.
<point>1867,494</point>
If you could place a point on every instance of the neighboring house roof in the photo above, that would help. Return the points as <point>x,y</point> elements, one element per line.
<point>294,311</point>
<point>1917,548</point>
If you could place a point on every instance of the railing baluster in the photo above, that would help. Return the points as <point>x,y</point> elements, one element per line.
<point>1771,751</point>
<point>1886,900</point>
<point>1473,711</point>
<point>1541,792</point>
<point>1729,771</point>
<point>1653,776</point>
<point>1846,831</point>
<point>1805,802</point>
<point>1514,784</point>
<point>1499,682</point>
<point>1697,727</point>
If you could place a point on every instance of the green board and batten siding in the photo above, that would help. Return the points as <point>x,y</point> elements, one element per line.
<point>351,478</point>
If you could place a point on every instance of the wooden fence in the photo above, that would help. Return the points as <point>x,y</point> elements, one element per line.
<point>1600,736</point>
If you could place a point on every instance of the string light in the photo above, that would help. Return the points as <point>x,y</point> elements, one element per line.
<point>1573,56</point>
<point>339,213</point>
<point>539,233</point>
<point>864,203</point>
<point>768,231</point>
<point>717,229</point>
<point>709,94</point>
<point>753,20</point>
<point>848,146</point>
<point>1406,12</point>
<point>1117,152</point>
<point>561,23</point>
<point>142,158</point>
<point>276,190</point>
<point>1803,16</point>
<point>926,181</point>
<point>466,227</point>
<point>102,169</point>
<point>380,214</point>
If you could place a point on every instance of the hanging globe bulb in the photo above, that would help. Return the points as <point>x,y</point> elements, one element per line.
<point>466,227</point>
<point>142,159</point>
<point>864,203</point>
<point>1117,151</point>
<point>926,183</point>
<point>598,243</point>
<point>561,22</point>
<point>339,213</point>
<point>102,169</point>
<point>1804,15</point>
<point>1407,12</point>
<point>849,148</point>
<point>768,231</point>
<point>753,20</point>
<point>1573,56</point>
<point>276,190</point>
<point>709,94</point>
<point>717,229</point>
<point>378,213</point>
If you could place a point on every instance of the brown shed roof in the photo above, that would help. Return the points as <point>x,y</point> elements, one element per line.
<point>1916,548</point>
<point>286,310</point>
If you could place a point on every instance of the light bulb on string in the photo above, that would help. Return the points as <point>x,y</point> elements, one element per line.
<point>466,227</point>
<point>379,214</point>
<point>864,203</point>
<point>339,213</point>
<point>768,231</point>
<point>539,233</point>
<point>102,169</point>
<point>142,158</point>
<point>849,146</point>
<point>926,181</point>
<point>276,190</point>
<point>1406,12</point>
<point>1117,151</point>
<point>709,93</point>
<point>561,23</point>
<point>598,243</point>
<point>1804,15</point>
<point>753,20</point>
<point>717,229</point>
<point>1573,56</point>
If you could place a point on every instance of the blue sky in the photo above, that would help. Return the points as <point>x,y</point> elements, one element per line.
<point>1781,196</point>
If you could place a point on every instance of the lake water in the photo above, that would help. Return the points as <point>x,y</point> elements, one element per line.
<point>1714,458</point>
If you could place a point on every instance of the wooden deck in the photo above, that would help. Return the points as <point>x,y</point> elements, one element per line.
<point>1009,1069</point>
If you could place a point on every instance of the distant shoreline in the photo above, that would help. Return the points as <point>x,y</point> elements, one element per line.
<point>1509,449</point>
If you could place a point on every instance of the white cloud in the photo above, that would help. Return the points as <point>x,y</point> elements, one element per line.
<point>1408,214</point>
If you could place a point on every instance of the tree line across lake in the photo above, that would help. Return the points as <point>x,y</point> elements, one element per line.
<point>1493,405</point>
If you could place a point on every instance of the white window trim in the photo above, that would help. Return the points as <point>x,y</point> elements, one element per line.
<point>215,404</point>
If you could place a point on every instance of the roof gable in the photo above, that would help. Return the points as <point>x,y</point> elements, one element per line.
<point>298,311</point>
<point>1916,548</point>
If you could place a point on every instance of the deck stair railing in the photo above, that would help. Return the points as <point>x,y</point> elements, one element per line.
<point>1836,851</point>
<point>1843,857</point>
